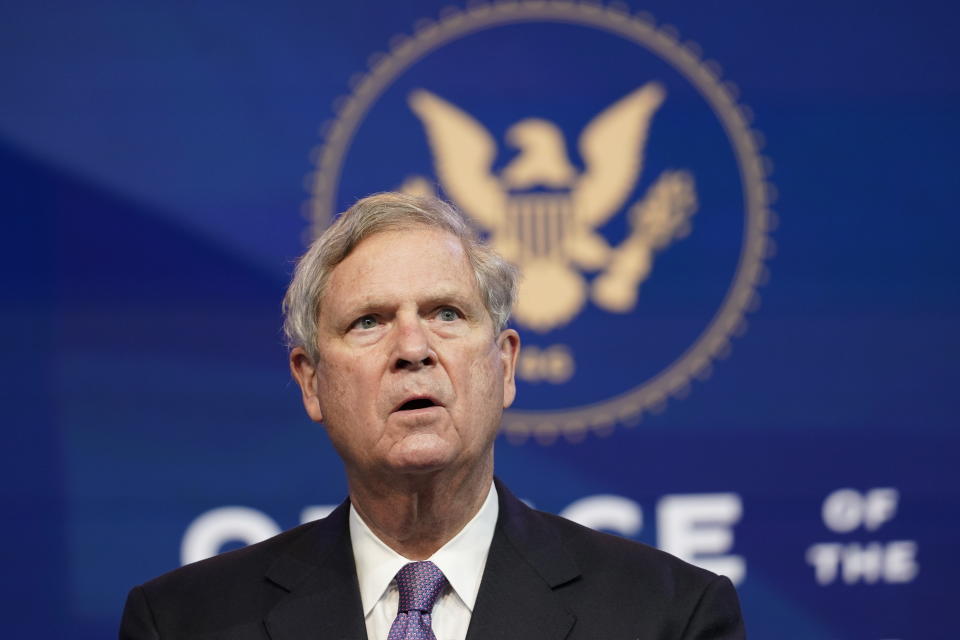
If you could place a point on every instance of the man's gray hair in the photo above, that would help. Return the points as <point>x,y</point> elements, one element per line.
<point>496,278</point>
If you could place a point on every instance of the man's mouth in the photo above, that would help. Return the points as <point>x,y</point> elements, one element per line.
<point>421,402</point>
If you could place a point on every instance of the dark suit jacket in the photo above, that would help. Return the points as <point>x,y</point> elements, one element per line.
<point>546,579</point>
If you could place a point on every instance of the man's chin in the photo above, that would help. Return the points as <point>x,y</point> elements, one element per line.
<point>421,453</point>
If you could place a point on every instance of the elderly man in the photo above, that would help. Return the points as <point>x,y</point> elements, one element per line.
<point>396,318</point>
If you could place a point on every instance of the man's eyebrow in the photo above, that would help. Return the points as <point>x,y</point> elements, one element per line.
<point>449,297</point>
<point>373,303</point>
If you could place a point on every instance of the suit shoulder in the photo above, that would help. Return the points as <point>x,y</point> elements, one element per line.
<point>616,576</point>
<point>619,588</point>
<point>231,567</point>
<point>230,594</point>
<point>633,560</point>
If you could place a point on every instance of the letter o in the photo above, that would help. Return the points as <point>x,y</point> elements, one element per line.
<point>207,534</point>
<point>559,363</point>
<point>843,510</point>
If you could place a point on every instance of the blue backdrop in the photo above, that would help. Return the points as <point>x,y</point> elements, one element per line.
<point>770,396</point>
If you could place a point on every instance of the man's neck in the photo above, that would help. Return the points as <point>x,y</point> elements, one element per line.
<point>416,515</point>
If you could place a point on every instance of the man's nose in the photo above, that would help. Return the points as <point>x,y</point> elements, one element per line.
<point>413,350</point>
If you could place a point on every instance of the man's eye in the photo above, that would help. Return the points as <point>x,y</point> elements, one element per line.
<point>448,315</point>
<point>366,322</point>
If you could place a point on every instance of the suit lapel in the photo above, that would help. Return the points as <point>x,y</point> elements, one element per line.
<point>322,598</point>
<point>525,565</point>
<point>517,599</point>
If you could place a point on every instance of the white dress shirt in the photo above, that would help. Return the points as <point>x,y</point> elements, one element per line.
<point>461,560</point>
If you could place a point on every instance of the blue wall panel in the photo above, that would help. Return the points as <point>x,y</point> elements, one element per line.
<point>162,165</point>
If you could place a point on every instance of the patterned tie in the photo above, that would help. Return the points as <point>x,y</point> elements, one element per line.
<point>419,584</point>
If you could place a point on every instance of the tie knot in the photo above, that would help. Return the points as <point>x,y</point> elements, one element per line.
<point>419,584</point>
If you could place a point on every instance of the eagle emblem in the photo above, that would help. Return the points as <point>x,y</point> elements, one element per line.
<point>544,214</point>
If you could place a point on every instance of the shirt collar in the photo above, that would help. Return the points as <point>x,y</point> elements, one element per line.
<point>461,559</point>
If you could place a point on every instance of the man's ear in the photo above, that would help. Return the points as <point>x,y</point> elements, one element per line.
<point>304,371</point>
<point>508,343</point>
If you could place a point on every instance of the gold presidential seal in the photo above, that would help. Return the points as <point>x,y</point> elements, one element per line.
<point>545,214</point>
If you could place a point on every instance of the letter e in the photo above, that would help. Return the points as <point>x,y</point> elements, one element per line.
<point>698,528</point>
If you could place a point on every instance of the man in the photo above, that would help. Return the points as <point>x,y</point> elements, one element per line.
<point>396,318</point>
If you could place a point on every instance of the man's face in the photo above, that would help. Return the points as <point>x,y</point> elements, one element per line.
<point>410,377</point>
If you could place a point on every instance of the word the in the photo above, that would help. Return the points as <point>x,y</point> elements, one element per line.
<point>870,563</point>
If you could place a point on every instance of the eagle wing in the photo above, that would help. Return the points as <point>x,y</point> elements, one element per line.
<point>612,150</point>
<point>463,153</point>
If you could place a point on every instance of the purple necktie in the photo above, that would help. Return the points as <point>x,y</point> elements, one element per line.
<point>419,584</point>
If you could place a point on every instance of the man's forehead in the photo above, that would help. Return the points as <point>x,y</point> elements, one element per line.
<point>408,235</point>
<point>430,261</point>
